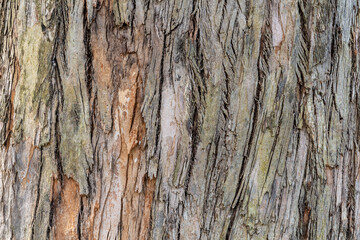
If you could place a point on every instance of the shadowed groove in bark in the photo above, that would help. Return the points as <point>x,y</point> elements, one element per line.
<point>197,99</point>
<point>159,92</point>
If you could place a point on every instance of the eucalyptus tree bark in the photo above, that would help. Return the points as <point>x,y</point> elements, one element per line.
<point>191,119</point>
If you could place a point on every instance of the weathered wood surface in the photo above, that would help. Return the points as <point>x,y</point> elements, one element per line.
<point>192,119</point>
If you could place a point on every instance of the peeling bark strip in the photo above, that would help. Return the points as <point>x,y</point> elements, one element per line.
<point>192,119</point>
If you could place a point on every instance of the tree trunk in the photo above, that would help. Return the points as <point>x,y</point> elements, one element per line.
<point>169,119</point>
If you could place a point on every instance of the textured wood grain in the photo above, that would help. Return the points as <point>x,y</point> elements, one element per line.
<point>191,119</point>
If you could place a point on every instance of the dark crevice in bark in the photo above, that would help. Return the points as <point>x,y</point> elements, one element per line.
<point>334,46</point>
<point>350,203</point>
<point>57,147</point>
<point>148,234</point>
<point>178,233</point>
<point>160,89</point>
<point>51,218</point>
<point>137,96</point>
<point>304,206</point>
<point>132,19</point>
<point>226,98</point>
<point>119,227</point>
<point>88,53</point>
<point>304,44</point>
<point>57,135</point>
<point>197,103</point>
<point>9,116</point>
<point>60,172</point>
<point>58,91</point>
<point>89,73</point>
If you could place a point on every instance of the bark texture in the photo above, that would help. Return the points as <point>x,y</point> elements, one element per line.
<point>179,119</point>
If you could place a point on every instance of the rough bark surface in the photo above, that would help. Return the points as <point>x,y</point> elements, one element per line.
<point>179,119</point>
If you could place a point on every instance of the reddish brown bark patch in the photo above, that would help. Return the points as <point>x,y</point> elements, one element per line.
<point>67,207</point>
<point>12,103</point>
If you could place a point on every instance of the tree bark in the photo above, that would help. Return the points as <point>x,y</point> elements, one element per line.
<point>192,119</point>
